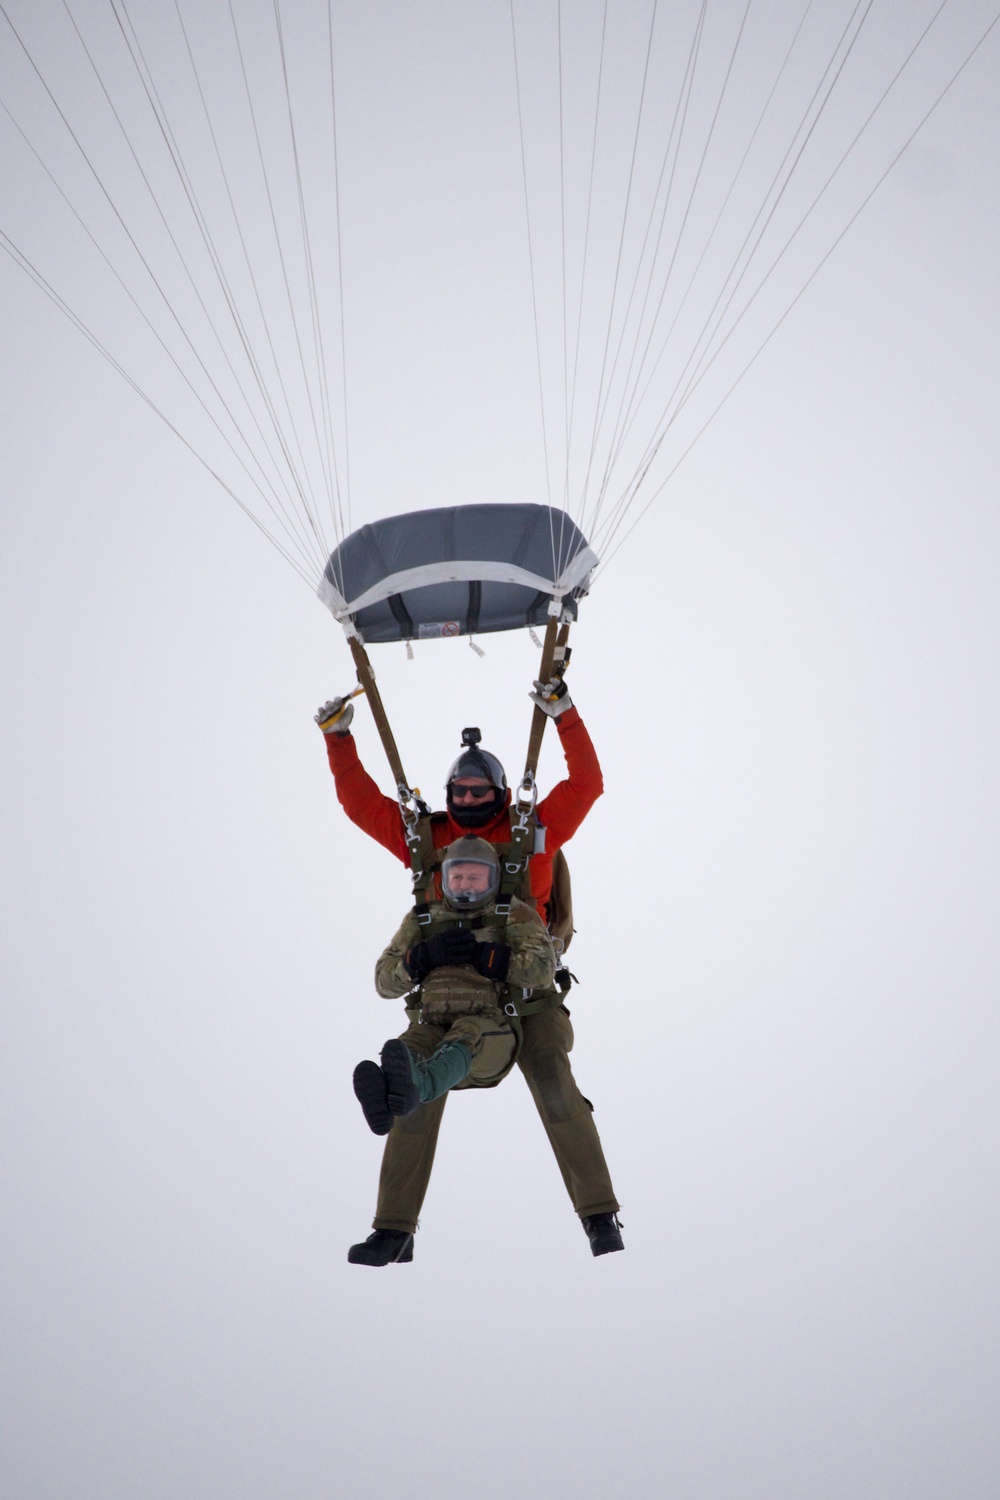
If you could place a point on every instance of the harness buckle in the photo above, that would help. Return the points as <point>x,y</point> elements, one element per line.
<point>510,1009</point>
<point>409,811</point>
<point>502,908</point>
<point>524,802</point>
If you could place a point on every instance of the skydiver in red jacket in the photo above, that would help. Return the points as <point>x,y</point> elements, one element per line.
<point>478,800</point>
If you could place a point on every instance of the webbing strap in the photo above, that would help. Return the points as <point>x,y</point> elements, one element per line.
<point>517,1000</point>
<point>555,639</point>
<point>425,858</point>
<point>517,1004</point>
<point>514,861</point>
<point>366,677</point>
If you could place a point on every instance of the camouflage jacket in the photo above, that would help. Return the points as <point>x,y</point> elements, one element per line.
<point>532,954</point>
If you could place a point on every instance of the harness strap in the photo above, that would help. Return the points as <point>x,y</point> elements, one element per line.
<point>516,1000</point>
<point>522,1002</point>
<point>426,858</point>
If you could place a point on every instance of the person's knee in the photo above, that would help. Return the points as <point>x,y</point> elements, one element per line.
<point>421,1039</point>
<point>554,1086</point>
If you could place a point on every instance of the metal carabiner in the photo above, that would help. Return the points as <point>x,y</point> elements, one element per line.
<point>524,803</point>
<point>410,813</point>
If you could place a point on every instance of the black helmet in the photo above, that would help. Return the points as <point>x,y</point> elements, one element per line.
<point>481,765</point>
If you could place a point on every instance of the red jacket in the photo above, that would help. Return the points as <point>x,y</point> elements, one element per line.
<point>560,813</point>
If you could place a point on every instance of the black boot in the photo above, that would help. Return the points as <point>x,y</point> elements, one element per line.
<point>402,1088</point>
<point>603,1232</point>
<point>370,1087</point>
<point>384,1247</point>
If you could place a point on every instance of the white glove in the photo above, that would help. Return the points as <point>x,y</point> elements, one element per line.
<point>335,716</point>
<point>551,697</point>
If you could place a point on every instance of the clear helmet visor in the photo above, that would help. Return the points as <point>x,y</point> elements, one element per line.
<point>468,884</point>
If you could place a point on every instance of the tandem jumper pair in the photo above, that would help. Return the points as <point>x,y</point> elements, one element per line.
<point>527,838</point>
<point>467,570</point>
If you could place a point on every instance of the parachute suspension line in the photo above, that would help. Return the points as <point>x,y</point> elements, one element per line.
<point>273,500</point>
<point>633,374</point>
<point>531,256</point>
<point>562,251</point>
<point>638,398</point>
<point>677,128</point>
<point>558,548</point>
<point>618,260</point>
<point>279,247</point>
<point>301,488</point>
<point>699,374</point>
<point>155,102</point>
<point>699,356</point>
<point>36,276</point>
<point>811,278</point>
<point>345,528</point>
<point>586,233</point>
<point>327,456</point>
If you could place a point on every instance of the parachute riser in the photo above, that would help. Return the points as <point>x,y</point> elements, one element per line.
<point>553,657</point>
<point>404,792</point>
<point>417,827</point>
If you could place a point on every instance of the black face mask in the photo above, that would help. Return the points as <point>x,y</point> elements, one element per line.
<point>475,814</point>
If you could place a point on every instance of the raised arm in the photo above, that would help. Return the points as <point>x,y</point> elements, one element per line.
<point>570,800</point>
<point>359,796</point>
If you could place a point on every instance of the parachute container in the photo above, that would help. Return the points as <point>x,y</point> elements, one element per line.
<point>459,570</point>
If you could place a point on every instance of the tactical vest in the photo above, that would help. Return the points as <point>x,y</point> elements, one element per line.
<point>426,860</point>
<point>448,985</point>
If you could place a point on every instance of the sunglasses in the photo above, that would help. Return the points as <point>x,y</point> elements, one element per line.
<point>463,793</point>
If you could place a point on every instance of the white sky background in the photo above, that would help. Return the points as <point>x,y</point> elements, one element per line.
<point>786,899</point>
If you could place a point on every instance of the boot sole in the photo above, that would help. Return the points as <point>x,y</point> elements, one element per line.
<point>370,1088</point>
<point>402,1095</point>
<point>403,1258</point>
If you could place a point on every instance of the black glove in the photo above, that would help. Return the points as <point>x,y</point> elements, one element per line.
<point>456,946</point>
<point>492,960</point>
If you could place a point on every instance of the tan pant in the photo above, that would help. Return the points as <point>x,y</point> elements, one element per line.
<point>566,1114</point>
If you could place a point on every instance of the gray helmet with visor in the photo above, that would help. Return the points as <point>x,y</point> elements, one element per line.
<point>470,874</point>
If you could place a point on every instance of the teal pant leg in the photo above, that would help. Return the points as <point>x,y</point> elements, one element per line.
<point>442,1070</point>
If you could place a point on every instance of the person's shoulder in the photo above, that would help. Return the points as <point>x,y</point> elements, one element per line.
<point>409,922</point>
<point>521,912</point>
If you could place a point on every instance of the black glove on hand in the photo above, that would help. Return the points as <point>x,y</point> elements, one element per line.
<point>492,960</point>
<point>456,946</point>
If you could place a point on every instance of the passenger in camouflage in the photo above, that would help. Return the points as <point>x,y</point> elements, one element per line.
<point>458,969</point>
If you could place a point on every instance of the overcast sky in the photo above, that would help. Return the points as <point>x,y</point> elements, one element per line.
<point>786,901</point>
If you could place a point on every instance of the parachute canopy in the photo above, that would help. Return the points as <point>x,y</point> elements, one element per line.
<point>460,570</point>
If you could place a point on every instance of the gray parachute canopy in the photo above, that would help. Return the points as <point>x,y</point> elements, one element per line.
<point>461,570</point>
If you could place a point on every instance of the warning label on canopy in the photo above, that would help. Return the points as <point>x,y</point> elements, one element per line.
<point>438,628</point>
